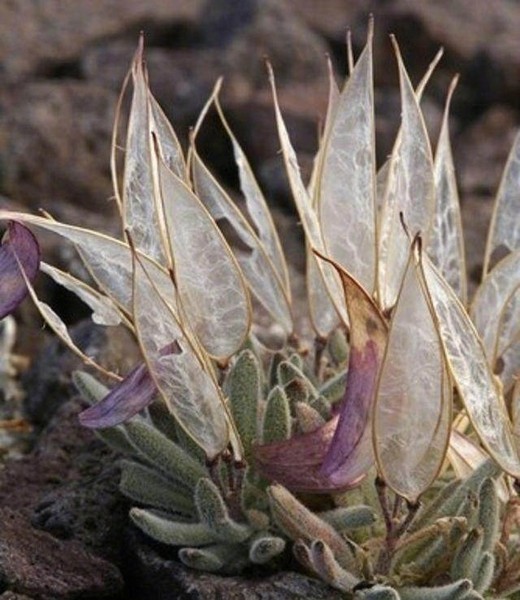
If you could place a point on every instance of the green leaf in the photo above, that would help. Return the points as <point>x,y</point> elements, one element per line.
<point>276,424</point>
<point>146,486</point>
<point>164,454</point>
<point>452,591</point>
<point>160,527</point>
<point>243,386</point>
<point>468,555</point>
<point>265,547</point>
<point>213,513</point>
<point>351,517</point>
<point>214,558</point>
<point>489,514</point>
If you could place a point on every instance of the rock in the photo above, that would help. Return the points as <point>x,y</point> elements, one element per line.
<point>44,568</point>
<point>42,37</point>
<point>481,151</point>
<point>55,143</point>
<point>72,473</point>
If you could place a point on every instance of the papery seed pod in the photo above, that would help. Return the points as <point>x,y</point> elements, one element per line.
<point>160,527</point>
<point>146,486</point>
<point>276,424</point>
<point>243,386</point>
<point>165,454</point>
<point>264,547</point>
<point>214,514</point>
<point>452,591</point>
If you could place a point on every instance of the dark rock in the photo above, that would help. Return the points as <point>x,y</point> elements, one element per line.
<point>34,563</point>
<point>67,485</point>
<point>481,151</point>
<point>42,37</point>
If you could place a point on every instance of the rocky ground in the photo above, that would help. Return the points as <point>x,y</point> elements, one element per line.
<point>64,530</point>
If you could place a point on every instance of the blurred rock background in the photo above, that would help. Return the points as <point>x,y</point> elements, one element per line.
<point>62,64</point>
<point>61,67</point>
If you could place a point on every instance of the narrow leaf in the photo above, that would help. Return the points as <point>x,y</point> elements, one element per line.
<point>166,530</point>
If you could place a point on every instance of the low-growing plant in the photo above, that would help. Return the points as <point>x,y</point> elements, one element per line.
<point>384,453</point>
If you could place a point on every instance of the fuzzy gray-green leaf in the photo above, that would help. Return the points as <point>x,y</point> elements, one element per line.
<point>213,558</point>
<point>168,531</point>
<point>352,517</point>
<point>484,573</point>
<point>334,388</point>
<point>89,387</point>
<point>265,547</point>
<point>276,425</point>
<point>450,499</point>
<point>165,454</point>
<point>146,486</point>
<point>452,591</point>
<point>326,566</point>
<point>163,420</point>
<point>307,418</point>
<point>489,513</point>
<point>213,513</point>
<point>468,555</point>
<point>378,592</point>
<point>338,346</point>
<point>243,386</point>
